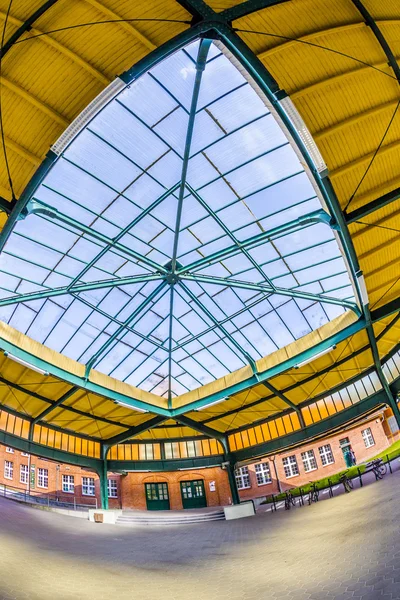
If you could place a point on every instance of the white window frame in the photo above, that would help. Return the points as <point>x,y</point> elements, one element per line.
<point>368,438</point>
<point>24,454</point>
<point>309,461</point>
<point>88,486</point>
<point>68,484</point>
<point>290,466</point>
<point>24,474</point>
<point>112,488</point>
<point>8,469</point>
<point>263,473</point>
<point>9,450</point>
<point>242,477</point>
<point>326,455</point>
<point>43,478</point>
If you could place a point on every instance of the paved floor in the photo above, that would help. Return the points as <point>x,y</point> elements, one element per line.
<point>345,548</point>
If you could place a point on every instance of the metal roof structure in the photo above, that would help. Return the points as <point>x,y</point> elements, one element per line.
<point>206,243</point>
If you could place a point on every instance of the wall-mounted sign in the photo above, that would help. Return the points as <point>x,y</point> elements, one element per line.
<point>212,486</point>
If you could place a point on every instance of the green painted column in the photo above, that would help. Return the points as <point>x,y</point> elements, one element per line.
<point>103,474</point>
<point>230,467</point>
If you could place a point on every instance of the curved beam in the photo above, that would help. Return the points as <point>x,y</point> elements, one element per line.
<point>25,26</point>
<point>247,7</point>
<point>309,37</point>
<point>377,204</point>
<point>128,27</point>
<point>354,120</point>
<point>39,104</point>
<point>373,24</point>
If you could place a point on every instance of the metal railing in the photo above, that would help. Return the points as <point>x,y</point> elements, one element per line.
<point>46,498</point>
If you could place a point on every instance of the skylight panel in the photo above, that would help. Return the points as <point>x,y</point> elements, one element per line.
<point>123,176</point>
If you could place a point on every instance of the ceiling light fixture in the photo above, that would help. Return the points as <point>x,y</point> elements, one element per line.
<point>363,289</point>
<point>126,405</point>
<point>212,403</point>
<point>308,360</point>
<point>24,363</point>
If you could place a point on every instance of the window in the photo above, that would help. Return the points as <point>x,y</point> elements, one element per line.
<point>23,474</point>
<point>263,473</point>
<point>326,455</point>
<point>8,469</point>
<point>68,484</point>
<point>10,450</point>
<point>43,478</point>
<point>242,478</point>
<point>88,486</point>
<point>112,488</point>
<point>394,428</point>
<point>368,438</point>
<point>24,454</point>
<point>290,466</point>
<point>309,461</point>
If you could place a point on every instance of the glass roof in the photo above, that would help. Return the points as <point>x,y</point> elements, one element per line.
<point>170,254</point>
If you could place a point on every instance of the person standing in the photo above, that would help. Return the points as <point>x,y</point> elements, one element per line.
<point>353,457</point>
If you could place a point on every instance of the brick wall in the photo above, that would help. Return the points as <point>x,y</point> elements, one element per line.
<point>55,473</point>
<point>357,444</point>
<point>133,487</point>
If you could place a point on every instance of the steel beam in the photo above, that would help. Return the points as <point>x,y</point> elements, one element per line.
<point>56,404</point>
<point>121,329</point>
<point>6,206</point>
<point>318,216</point>
<point>165,465</point>
<point>123,232</point>
<point>261,287</point>
<point>40,208</point>
<point>200,66</point>
<point>246,8</point>
<point>370,21</point>
<point>208,431</point>
<point>26,26</point>
<point>226,333</point>
<point>273,371</point>
<point>386,310</point>
<point>371,207</point>
<point>286,400</point>
<point>135,430</point>
<point>82,287</point>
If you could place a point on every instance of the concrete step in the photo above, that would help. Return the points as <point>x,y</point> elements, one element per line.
<point>168,518</point>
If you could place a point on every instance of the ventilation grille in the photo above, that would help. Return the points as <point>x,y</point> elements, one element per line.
<point>87,115</point>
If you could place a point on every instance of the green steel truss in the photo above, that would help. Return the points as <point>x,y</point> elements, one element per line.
<point>206,23</point>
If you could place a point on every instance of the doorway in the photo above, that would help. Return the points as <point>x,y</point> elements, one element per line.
<point>157,497</point>
<point>193,494</point>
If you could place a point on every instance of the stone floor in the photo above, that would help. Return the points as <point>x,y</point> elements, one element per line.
<point>345,548</point>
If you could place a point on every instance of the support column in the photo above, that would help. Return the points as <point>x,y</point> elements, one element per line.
<point>232,480</point>
<point>394,406</point>
<point>230,468</point>
<point>103,475</point>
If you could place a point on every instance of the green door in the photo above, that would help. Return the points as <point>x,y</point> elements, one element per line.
<point>193,494</point>
<point>157,496</point>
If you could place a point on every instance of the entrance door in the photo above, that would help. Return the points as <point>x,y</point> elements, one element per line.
<point>193,494</point>
<point>344,444</point>
<point>157,497</point>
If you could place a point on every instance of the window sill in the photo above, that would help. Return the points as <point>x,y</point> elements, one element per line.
<point>43,487</point>
<point>328,464</point>
<point>67,492</point>
<point>262,484</point>
<point>247,487</point>
<point>88,495</point>
<point>9,478</point>
<point>311,470</point>
<point>291,476</point>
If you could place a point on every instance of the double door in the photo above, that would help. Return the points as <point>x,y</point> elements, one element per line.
<point>193,494</point>
<point>157,497</point>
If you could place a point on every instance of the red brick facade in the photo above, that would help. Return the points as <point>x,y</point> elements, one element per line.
<point>381,442</point>
<point>131,487</point>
